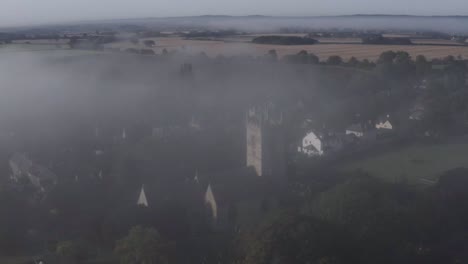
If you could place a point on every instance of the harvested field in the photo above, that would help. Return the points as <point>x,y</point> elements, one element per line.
<point>230,47</point>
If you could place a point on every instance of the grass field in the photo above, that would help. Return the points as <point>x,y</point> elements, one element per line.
<point>242,46</point>
<point>15,260</point>
<point>414,163</point>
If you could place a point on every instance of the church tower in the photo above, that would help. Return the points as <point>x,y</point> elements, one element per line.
<point>265,141</point>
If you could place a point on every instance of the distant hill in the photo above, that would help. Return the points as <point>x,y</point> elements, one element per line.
<point>270,24</point>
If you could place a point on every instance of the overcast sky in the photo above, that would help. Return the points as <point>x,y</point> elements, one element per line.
<point>27,12</point>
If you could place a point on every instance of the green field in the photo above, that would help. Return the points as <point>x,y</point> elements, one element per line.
<point>416,164</point>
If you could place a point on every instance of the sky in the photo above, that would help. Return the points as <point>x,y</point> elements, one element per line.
<point>30,12</point>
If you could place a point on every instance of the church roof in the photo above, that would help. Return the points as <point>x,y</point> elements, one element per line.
<point>236,185</point>
<point>142,201</point>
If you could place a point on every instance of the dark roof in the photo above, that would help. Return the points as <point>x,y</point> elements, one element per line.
<point>311,147</point>
<point>355,128</point>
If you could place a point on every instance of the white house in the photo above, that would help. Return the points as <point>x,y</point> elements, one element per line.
<point>384,123</point>
<point>311,145</point>
<point>315,144</point>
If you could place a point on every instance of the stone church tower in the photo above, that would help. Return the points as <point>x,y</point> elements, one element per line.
<point>265,141</point>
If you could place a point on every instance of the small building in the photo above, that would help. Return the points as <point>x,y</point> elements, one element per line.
<point>417,112</point>
<point>318,144</point>
<point>311,145</point>
<point>362,131</point>
<point>384,123</point>
<point>355,129</point>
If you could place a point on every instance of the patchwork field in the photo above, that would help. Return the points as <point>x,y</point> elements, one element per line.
<point>346,49</point>
<point>241,45</point>
<point>417,164</point>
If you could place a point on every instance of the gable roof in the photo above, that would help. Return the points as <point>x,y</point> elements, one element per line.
<point>236,185</point>
<point>142,201</point>
<point>211,201</point>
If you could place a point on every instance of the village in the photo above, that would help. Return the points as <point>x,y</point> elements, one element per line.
<point>206,150</point>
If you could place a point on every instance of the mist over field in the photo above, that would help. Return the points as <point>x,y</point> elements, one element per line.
<point>47,96</point>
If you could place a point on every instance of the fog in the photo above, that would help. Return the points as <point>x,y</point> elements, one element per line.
<point>262,24</point>
<point>57,98</point>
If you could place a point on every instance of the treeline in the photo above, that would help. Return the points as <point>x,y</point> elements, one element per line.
<point>210,34</point>
<point>381,40</point>
<point>284,40</point>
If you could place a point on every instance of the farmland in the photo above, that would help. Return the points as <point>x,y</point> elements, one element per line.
<point>241,45</point>
<point>345,48</point>
<point>414,163</point>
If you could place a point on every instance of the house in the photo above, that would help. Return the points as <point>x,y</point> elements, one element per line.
<point>318,144</point>
<point>24,169</point>
<point>356,130</point>
<point>417,112</point>
<point>384,123</point>
<point>416,115</point>
<point>362,131</point>
<point>311,145</point>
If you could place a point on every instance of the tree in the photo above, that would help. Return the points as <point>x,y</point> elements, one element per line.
<point>334,60</point>
<point>366,64</point>
<point>422,65</point>
<point>149,43</point>
<point>402,57</point>
<point>302,57</point>
<point>141,246</point>
<point>72,251</point>
<point>371,210</point>
<point>353,62</point>
<point>386,57</point>
<point>313,59</point>
<point>297,238</point>
<point>272,55</point>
